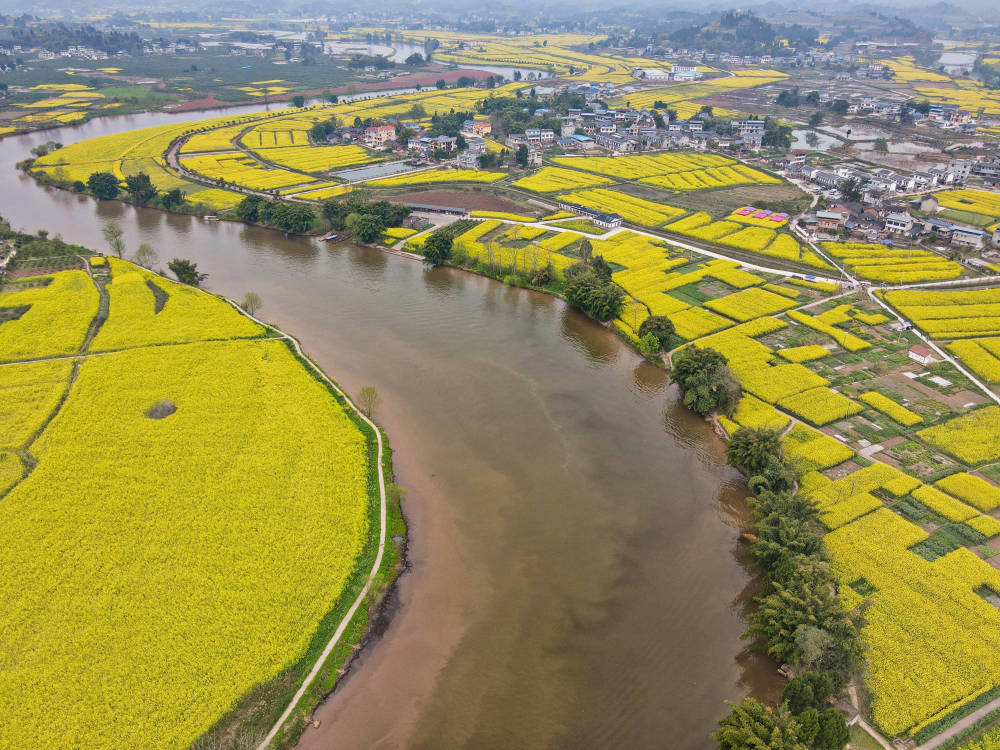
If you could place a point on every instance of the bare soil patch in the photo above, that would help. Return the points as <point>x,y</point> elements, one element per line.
<point>458,199</point>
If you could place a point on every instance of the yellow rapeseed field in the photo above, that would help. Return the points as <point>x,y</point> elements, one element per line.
<point>56,321</point>
<point>167,564</point>
<point>187,315</point>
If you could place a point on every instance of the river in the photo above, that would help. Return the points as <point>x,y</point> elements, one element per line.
<point>576,577</point>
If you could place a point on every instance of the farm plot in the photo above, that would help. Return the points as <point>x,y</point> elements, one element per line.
<point>982,356</point>
<point>893,265</point>
<point>148,309</point>
<point>754,239</point>
<point>933,642</point>
<point>981,202</point>
<point>429,176</point>
<point>316,158</point>
<point>557,179</point>
<point>238,168</point>
<point>238,517</point>
<point>972,438</point>
<point>950,314</point>
<point>56,320</point>
<point>637,210</point>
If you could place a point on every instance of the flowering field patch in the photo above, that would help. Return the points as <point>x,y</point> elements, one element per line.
<point>982,202</point>
<point>803,353</point>
<point>749,303</point>
<point>847,340</point>
<point>28,394</point>
<point>712,177</point>
<point>809,449</point>
<point>982,356</point>
<point>972,438</point>
<point>187,315</point>
<point>891,409</point>
<point>933,643</point>
<point>557,179</point>
<point>819,286</point>
<point>634,167</point>
<point>637,210</point>
<point>503,215</point>
<point>755,414</point>
<point>124,535</point>
<point>429,176</point>
<point>216,199</point>
<point>893,265</point>
<point>694,322</point>
<point>820,406</point>
<point>944,504</point>
<point>950,315</point>
<point>755,239</point>
<point>973,490</point>
<point>56,321</point>
<point>240,169</point>
<point>316,158</point>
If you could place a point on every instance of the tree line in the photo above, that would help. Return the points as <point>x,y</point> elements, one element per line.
<point>798,617</point>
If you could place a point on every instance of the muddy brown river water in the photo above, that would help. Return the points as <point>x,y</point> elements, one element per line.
<point>576,578</point>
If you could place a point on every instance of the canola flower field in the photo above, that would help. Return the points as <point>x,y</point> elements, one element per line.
<point>141,565</point>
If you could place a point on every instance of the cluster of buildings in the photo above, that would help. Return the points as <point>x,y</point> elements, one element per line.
<point>892,222</point>
<point>677,73</point>
<point>881,182</point>
<point>625,130</point>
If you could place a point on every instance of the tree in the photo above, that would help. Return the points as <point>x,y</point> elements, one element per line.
<point>145,256</point>
<point>809,725</point>
<point>440,84</point>
<point>586,250</point>
<point>805,691</point>
<point>704,377</point>
<point>815,119</point>
<point>812,139</point>
<point>103,185</point>
<point>882,145</point>
<point>437,247</point>
<point>172,198</point>
<point>754,449</point>
<point>140,188</point>
<point>659,326</point>
<point>751,724</point>
<point>186,272</point>
<point>251,302</point>
<point>298,101</point>
<point>368,228</point>
<point>599,297</point>
<point>601,268</point>
<point>521,156</point>
<point>369,400</point>
<point>840,107</point>
<point>288,217</point>
<point>415,59</point>
<point>852,189</point>
<point>112,232</point>
<point>833,732</point>
<point>649,345</point>
<point>248,209</point>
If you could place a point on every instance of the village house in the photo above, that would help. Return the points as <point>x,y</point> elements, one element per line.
<point>968,236</point>
<point>378,135</point>
<point>921,355</point>
<point>829,221</point>
<point>898,223</point>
